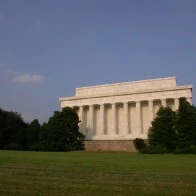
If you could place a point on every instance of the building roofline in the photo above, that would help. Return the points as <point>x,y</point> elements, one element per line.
<point>122,83</point>
<point>119,94</point>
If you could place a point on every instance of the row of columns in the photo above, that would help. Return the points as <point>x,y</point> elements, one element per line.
<point>125,115</point>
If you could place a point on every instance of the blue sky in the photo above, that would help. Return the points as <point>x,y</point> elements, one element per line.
<point>48,48</point>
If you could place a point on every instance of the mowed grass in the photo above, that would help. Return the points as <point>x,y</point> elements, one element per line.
<point>96,173</point>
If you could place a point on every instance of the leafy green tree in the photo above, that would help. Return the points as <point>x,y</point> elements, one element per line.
<point>186,124</point>
<point>33,131</point>
<point>162,132</point>
<point>61,133</point>
<point>11,123</point>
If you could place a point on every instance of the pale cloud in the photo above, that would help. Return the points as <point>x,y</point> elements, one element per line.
<point>11,72</point>
<point>16,77</point>
<point>28,78</point>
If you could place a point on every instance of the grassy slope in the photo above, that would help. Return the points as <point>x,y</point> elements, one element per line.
<point>84,173</point>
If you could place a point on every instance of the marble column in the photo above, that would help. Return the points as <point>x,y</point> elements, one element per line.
<point>189,99</point>
<point>102,113</point>
<point>176,104</point>
<point>163,102</point>
<point>126,119</point>
<point>81,117</point>
<point>138,118</point>
<point>113,131</point>
<point>151,111</point>
<point>91,112</point>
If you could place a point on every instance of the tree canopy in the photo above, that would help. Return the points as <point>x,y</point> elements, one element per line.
<point>174,130</point>
<point>186,124</point>
<point>60,133</point>
<point>162,132</point>
<point>11,124</point>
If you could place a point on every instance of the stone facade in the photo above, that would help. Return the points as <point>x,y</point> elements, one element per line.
<point>115,114</point>
<point>110,145</point>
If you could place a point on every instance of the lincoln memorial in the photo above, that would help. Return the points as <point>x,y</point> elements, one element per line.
<point>112,115</point>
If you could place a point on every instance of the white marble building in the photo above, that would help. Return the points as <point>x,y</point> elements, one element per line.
<point>124,111</point>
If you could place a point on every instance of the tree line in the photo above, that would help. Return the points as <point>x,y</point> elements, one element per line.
<point>171,131</point>
<point>60,133</point>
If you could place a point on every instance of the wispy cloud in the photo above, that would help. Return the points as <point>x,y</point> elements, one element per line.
<point>16,77</point>
<point>28,78</point>
<point>11,72</point>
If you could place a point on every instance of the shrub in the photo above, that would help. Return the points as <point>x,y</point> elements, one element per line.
<point>154,150</point>
<point>193,149</point>
<point>139,144</point>
<point>185,150</point>
<point>34,147</point>
<point>13,146</point>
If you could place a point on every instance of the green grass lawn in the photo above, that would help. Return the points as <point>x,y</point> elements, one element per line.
<point>90,173</point>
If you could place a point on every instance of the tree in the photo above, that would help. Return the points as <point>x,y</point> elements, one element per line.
<point>33,135</point>
<point>11,123</point>
<point>186,124</point>
<point>162,132</point>
<point>61,133</point>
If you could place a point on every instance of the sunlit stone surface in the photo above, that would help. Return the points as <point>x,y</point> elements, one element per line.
<point>123,111</point>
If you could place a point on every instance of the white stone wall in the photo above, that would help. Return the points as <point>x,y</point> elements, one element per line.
<point>127,87</point>
<point>183,91</point>
<point>124,115</point>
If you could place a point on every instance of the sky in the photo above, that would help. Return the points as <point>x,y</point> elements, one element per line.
<point>48,48</point>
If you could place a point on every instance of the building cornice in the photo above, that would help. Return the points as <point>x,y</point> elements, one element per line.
<point>120,94</point>
<point>123,83</point>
